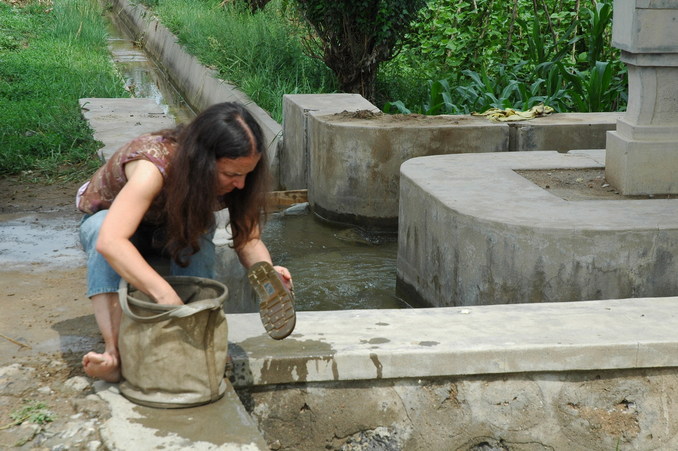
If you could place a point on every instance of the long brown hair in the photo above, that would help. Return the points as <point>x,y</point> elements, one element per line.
<point>224,130</point>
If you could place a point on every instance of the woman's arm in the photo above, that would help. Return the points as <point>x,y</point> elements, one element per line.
<point>255,251</point>
<point>144,183</point>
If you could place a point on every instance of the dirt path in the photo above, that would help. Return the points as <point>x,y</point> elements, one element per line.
<point>46,322</point>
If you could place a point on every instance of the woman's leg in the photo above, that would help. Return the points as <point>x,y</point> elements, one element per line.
<point>102,288</point>
<point>106,365</point>
<point>202,264</point>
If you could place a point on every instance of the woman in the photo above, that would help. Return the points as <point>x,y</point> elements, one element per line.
<point>161,191</point>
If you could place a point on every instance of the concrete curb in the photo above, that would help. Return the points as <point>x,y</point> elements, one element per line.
<point>419,343</point>
<point>222,425</point>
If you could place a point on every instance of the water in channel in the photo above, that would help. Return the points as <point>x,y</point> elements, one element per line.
<point>334,268</point>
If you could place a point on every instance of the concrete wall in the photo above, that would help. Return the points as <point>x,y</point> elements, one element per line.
<point>563,132</point>
<point>294,157</point>
<point>592,411</point>
<point>355,162</point>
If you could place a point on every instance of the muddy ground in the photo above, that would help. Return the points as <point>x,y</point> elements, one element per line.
<point>46,323</point>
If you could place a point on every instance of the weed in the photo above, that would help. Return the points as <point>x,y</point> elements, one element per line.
<point>32,412</point>
<point>262,53</point>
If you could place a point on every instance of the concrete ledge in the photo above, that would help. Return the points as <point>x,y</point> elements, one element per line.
<point>465,238</point>
<point>423,343</point>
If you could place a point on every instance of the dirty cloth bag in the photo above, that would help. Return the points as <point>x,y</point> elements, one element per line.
<point>174,356</point>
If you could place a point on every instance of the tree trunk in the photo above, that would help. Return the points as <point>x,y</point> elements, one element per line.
<point>360,81</point>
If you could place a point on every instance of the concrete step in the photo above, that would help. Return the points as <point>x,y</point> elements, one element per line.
<point>223,425</point>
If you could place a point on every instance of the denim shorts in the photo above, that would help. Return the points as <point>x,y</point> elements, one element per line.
<point>101,278</point>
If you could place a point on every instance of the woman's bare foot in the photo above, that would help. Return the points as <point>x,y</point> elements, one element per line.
<point>102,366</point>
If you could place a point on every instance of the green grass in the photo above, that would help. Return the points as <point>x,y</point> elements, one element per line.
<point>260,53</point>
<point>50,56</point>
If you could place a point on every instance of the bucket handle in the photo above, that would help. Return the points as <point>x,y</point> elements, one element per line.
<point>179,311</point>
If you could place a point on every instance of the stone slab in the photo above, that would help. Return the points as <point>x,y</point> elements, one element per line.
<point>562,132</point>
<point>222,425</point>
<point>421,343</point>
<point>639,167</point>
<point>645,26</point>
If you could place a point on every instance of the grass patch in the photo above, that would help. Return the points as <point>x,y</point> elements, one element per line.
<point>261,53</point>
<point>51,55</point>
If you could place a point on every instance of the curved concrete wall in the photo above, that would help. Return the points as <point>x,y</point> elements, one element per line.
<point>467,237</point>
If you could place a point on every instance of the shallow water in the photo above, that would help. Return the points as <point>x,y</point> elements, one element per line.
<point>334,268</point>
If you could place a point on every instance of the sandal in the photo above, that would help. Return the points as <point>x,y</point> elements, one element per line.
<point>276,303</point>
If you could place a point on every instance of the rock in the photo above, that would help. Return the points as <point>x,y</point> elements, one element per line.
<point>92,406</point>
<point>296,209</point>
<point>377,439</point>
<point>15,379</point>
<point>77,383</point>
<point>45,390</point>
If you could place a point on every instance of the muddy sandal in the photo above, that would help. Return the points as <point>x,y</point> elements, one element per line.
<point>276,303</point>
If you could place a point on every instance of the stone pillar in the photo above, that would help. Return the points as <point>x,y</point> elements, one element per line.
<point>642,154</point>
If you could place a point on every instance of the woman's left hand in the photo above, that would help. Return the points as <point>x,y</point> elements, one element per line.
<point>286,277</point>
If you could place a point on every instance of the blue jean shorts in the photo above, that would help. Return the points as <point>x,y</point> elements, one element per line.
<point>101,278</point>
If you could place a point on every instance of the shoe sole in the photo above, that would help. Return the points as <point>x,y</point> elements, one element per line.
<point>276,303</point>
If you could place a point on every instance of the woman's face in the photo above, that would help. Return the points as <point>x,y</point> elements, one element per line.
<point>231,173</point>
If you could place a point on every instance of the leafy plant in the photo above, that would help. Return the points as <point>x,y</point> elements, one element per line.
<point>563,59</point>
<point>32,412</point>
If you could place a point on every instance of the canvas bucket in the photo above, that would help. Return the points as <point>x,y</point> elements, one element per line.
<point>174,356</point>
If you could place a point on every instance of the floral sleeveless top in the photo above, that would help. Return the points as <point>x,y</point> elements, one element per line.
<point>100,191</point>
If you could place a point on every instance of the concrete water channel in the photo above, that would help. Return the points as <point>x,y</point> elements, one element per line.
<point>335,267</point>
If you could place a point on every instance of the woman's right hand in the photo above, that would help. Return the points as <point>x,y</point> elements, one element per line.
<point>170,299</point>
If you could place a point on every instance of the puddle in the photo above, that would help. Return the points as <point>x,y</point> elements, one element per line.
<point>39,240</point>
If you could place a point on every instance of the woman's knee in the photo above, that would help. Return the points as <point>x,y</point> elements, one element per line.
<point>89,229</point>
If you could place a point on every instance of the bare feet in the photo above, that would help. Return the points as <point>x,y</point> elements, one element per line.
<point>102,366</point>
